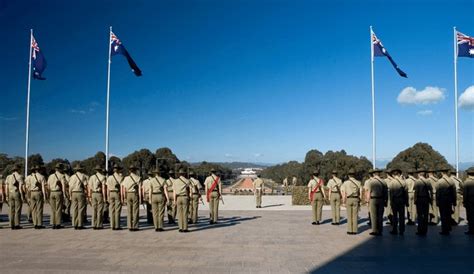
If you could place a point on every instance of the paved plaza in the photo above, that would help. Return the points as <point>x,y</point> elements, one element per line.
<point>244,241</point>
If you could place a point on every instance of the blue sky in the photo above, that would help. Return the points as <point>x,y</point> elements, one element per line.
<point>261,81</point>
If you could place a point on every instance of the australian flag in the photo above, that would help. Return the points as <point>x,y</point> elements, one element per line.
<point>465,45</point>
<point>38,62</point>
<point>379,50</point>
<point>118,48</point>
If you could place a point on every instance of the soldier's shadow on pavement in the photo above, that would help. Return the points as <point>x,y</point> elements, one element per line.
<point>275,205</point>
<point>406,254</point>
<point>223,222</point>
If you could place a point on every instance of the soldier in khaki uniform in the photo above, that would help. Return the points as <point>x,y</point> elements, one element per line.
<point>388,207</point>
<point>15,192</point>
<point>399,200</point>
<point>459,189</point>
<point>213,188</point>
<point>351,191</point>
<point>434,210</point>
<point>35,185</point>
<point>181,192</point>
<point>367,200</point>
<point>258,189</point>
<point>423,199</point>
<point>316,196</point>
<point>97,193</point>
<point>294,181</point>
<point>334,186</point>
<point>285,185</point>
<point>131,190</point>
<point>146,196</point>
<point>446,200</point>
<point>57,188</point>
<point>195,186</point>
<point>115,199</point>
<point>66,207</point>
<point>468,200</point>
<point>377,195</point>
<point>171,208</point>
<point>158,196</point>
<point>411,209</point>
<point>77,192</point>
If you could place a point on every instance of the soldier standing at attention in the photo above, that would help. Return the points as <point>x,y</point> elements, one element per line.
<point>334,186</point>
<point>468,200</point>
<point>377,193</point>
<point>146,196</point>
<point>115,199</point>
<point>35,185</point>
<point>285,185</point>
<point>15,192</point>
<point>195,197</point>
<point>459,189</point>
<point>388,206</point>
<point>316,196</point>
<point>213,188</point>
<point>67,199</point>
<point>57,188</point>
<point>258,189</point>
<point>399,199</point>
<point>131,188</point>
<point>158,197</point>
<point>351,191</point>
<point>411,181</point>
<point>294,180</point>
<point>77,192</point>
<point>181,196</point>
<point>367,199</point>
<point>171,209</point>
<point>446,200</point>
<point>434,211</point>
<point>423,198</point>
<point>97,195</point>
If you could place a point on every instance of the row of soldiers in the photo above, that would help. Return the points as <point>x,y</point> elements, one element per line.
<point>179,194</point>
<point>421,194</point>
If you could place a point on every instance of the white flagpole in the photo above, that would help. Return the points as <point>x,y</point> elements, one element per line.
<point>107,111</point>
<point>373,98</point>
<point>456,99</point>
<point>28,106</point>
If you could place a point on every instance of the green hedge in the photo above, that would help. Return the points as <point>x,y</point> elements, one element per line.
<point>300,195</point>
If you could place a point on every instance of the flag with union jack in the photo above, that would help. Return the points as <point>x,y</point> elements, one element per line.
<point>38,62</point>
<point>465,45</point>
<point>378,50</point>
<point>118,48</point>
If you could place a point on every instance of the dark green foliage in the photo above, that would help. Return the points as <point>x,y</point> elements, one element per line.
<point>421,155</point>
<point>300,195</point>
<point>144,159</point>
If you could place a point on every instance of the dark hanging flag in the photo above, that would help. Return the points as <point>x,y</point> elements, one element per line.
<point>465,45</point>
<point>379,50</point>
<point>118,48</point>
<point>38,62</point>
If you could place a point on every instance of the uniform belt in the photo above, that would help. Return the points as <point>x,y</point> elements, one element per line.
<point>97,192</point>
<point>182,195</point>
<point>376,197</point>
<point>154,193</point>
<point>113,190</point>
<point>134,192</point>
<point>56,191</point>
<point>335,191</point>
<point>352,196</point>
<point>78,192</point>
<point>196,194</point>
<point>35,190</point>
<point>214,191</point>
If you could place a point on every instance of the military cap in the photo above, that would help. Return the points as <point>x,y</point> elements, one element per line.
<point>191,173</point>
<point>420,170</point>
<point>388,170</point>
<point>182,171</point>
<point>78,167</point>
<point>375,170</point>
<point>132,167</point>
<point>334,171</point>
<point>99,168</point>
<point>394,170</point>
<point>443,169</point>
<point>171,171</point>
<point>150,172</point>
<point>212,170</point>
<point>411,171</point>
<point>315,172</point>
<point>351,172</point>
<point>35,167</point>
<point>117,167</point>
<point>157,171</point>
<point>59,165</point>
<point>16,167</point>
<point>452,171</point>
<point>470,171</point>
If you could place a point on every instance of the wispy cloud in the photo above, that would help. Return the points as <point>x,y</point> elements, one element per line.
<point>466,100</point>
<point>3,118</point>
<point>425,112</point>
<point>89,108</point>
<point>229,156</point>
<point>429,95</point>
<point>257,155</point>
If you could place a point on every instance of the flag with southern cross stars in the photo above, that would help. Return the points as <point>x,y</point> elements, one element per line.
<point>379,51</point>
<point>38,62</point>
<point>118,48</point>
<point>465,45</point>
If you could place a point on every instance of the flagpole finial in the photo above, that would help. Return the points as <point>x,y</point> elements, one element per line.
<point>110,28</point>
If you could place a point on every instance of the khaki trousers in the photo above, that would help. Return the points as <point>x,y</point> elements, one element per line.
<point>317,206</point>
<point>376,206</point>
<point>258,197</point>
<point>434,211</point>
<point>158,209</point>
<point>352,206</point>
<point>214,206</point>
<point>97,210</point>
<point>336,207</point>
<point>457,208</point>
<point>133,210</point>
<point>171,208</point>
<point>56,203</point>
<point>182,208</point>
<point>15,203</point>
<point>36,204</point>
<point>411,207</point>
<point>115,208</point>
<point>78,207</point>
<point>193,208</point>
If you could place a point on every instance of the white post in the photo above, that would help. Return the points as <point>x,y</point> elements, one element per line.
<point>107,108</point>
<point>28,106</point>
<point>456,99</point>
<point>373,98</point>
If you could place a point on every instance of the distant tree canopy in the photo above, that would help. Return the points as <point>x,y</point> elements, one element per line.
<point>421,155</point>
<point>324,163</point>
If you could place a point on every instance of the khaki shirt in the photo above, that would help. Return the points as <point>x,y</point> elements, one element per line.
<point>35,182</point>
<point>169,184</point>
<point>445,190</point>
<point>398,188</point>
<point>146,186</point>
<point>432,180</point>
<point>294,181</point>
<point>14,182</point>
<point>458,183</point>
<point>351,187</point>
<point>258,184</point>
<point>113,182</point>
<point>180,186</point>
<point>210,181</point>
<point>285,182</point>
<point>56,180</point>
<point>195,185</point>
<point>157,185</point>
<point>78,182</point>
<point>131,183</point>
<point>377,187</point>
<point>410,181</point>
<point>468,191</point>
<point>313,183</point>
<point>96,182</point>
<point>335,184</point>
<point>423,188</point>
